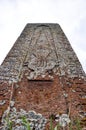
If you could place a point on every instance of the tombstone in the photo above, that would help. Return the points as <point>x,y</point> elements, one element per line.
<point>42,73</point>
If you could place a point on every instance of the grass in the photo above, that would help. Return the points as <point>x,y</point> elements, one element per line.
<point>26,123</point>
<point>74,125</point>
<point>51,124</point>
<point>9,124</point>
<point>78,124</point>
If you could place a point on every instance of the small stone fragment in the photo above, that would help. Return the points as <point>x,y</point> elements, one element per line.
<point>57,117</point>
<point>12,103</point>
<point>35,120</point>
<point>19,92</point>
<point>64,120</point>
<point>2,102</point>
<point>65,95</point>
<point>73,91</point>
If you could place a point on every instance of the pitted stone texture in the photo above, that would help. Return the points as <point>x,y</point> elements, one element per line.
<point>40,47</point>
<point>22,118</point>
<point>42,73</point>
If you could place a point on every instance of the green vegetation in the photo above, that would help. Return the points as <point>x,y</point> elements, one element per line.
<point>51,124</point>
<point>78,124</point>
<point>9,124</point>
<point>75,124</point>
<point>25,123</point>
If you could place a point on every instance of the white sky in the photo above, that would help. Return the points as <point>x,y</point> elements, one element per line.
<point>70,14</point>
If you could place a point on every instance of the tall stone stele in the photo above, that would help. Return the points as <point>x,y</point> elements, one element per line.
<point>42,73</point>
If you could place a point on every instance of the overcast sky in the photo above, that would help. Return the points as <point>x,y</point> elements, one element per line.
<point>70,14</point>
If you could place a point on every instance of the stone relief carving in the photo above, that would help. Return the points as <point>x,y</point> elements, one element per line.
<point>42,56</point>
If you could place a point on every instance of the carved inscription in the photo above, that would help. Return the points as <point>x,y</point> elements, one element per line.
<point>42,56</point>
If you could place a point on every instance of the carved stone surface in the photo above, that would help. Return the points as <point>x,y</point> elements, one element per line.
<point>42,73</point>
<point>41,47</point>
